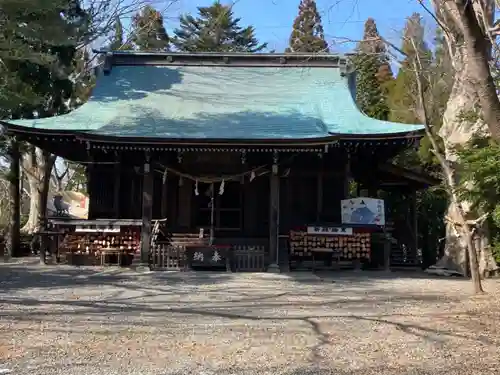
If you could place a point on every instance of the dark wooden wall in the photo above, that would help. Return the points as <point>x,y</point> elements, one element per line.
<point>101,190</point>
<point>310,190</point>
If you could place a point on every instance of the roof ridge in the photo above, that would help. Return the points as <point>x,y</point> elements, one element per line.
<point>236,59</point>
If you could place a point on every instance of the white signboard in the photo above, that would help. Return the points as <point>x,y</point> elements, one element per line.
<point>330,231</point>
<point>367,211</point>
<point>97,229</point>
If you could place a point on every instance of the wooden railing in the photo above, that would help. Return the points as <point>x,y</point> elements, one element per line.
<point>168,257</point>
<point>249,259</point>
<point>247,255</point>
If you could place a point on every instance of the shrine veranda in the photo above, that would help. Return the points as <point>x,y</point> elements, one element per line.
<point>230,161</point>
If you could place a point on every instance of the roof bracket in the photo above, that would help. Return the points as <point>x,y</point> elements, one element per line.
<point>108,64</point>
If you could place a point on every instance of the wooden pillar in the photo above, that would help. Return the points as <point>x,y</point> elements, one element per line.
<point>117,171</point>
<point>13,238</point>
<point>347,176</point>
<point>415,222</point>
<point>274,186</point>
<point>90,187</point>
<point>319,201</point>
<point>387,251</point>
<point>147,214</point>
<point>164,196</point>
<point>132,197</point>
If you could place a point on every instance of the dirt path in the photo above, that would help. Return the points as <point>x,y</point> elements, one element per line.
<point>90,321</point>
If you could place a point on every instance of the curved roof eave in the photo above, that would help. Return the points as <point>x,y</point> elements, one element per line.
<point>84,136</point>
<point>150,103</point>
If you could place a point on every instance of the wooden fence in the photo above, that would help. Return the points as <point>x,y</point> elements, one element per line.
<point>249,259</point>
<point>168,257</point>
<point>244,258</point>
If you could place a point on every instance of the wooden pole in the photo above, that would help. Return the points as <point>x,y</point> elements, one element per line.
<point>319,200</point>
<point>13,239</point>
<point>117,186</point>
<point>415,223</point>
<point>274,216</point>
<point>164,196</point>
<point>347,177</point>
<point>92,193</point>
<point>147,215</point>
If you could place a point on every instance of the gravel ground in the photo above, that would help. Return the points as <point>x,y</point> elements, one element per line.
<point>63,320</point>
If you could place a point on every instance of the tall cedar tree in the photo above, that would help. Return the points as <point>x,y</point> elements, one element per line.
<point>441,83</point>
<point>215,30</point>
<point>404,94</point>
<point>307,34</point>
<point>373,73</point>
<point>117,40</point>
<point>37,40</point>
<point>148,32</point>
<point>404,97</point>
<point>49,65</point>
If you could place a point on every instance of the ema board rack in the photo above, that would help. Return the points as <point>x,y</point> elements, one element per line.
<point>350,243</point>
<point>83,242</point>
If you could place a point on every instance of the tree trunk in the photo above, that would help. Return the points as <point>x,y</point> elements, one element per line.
<point>461,122</point>
<point>47,165</point>
<point>38,165</point>
<point>477,43</point>
<point>472,258</point>
<point>32,223</point>
<point>13,236</point>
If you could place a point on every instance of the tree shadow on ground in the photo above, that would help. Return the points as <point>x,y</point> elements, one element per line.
<point>164,300</point>
<point>373,275</point>
<point>21,277</point>
<point>333,370</point>
<point>254,308</point>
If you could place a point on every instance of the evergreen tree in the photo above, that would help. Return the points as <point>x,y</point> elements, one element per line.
<point>405,107</point>
<point>84,78</point>
<point>45,65</point>
<point>441,76</point>
<point>307,34</point>
<point>373,73</point>
<point>117,41</point>
<point>215,30</point>
<point>372,44</point>
<point>439,86</point>
<point>148,32</point>
<point>34,38</point>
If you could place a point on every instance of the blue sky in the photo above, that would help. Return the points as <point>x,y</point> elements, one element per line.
<point>273,19</point>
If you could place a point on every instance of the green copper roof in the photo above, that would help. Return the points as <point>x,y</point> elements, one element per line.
<point>220,102</point>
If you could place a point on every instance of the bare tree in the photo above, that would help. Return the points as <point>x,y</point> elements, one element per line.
<point>469,112</point>
<point>464,228</point>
